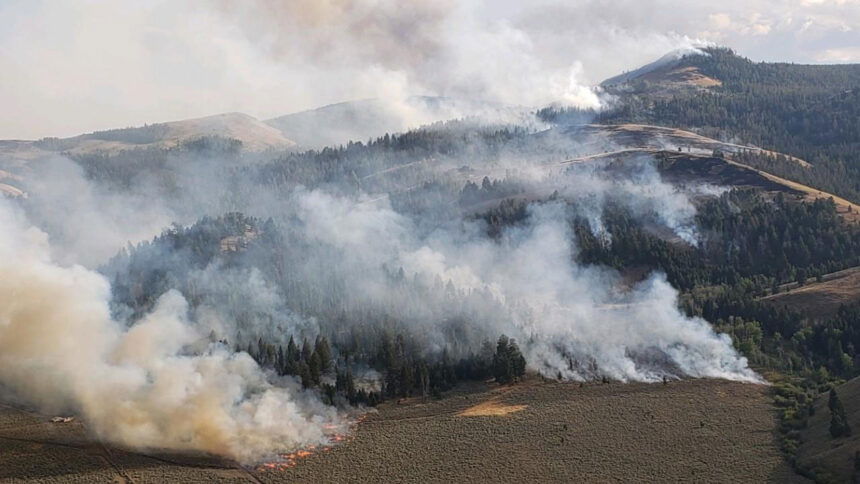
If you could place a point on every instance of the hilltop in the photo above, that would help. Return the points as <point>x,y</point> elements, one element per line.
<point>809,111</point>
<point>666,75</point>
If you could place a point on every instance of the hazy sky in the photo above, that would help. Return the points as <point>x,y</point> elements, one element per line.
<point>72,66</point>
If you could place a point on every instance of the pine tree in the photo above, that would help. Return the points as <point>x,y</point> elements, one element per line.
<point>838,420</point>
<point>423,379</point>
<point>518,361</point>
<point>261,352</point>
<point>508,362</point>
<point>292,350</point>
<point>305,375</point>
<point>502,368</point>
<point>306,351</point>
<point>322,348</point>
<point>315,367</point>
<point>281,366</point>
<point>350,386</point>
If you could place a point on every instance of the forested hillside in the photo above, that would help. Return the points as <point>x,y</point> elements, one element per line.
<point>404,264</point>
<point>808,111</point>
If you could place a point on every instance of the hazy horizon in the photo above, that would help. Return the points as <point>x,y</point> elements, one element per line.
<point>76,67</point>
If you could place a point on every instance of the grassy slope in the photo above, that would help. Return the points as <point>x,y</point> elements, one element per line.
<point>821,299</point>
<point>821,451</point>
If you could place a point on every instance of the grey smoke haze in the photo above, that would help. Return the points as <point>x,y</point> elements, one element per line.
<point>87,223</point>
<point>128,63</point>
<point>159,381</point>
<point>156,380</point>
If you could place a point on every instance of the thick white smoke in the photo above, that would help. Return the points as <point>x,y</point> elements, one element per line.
<point>558,310</point>
<point>143,387</point>
<point>163,384</point>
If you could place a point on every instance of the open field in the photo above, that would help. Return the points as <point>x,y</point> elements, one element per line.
<point>699,430</point>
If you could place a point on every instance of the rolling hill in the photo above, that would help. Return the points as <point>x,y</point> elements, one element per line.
<point>360,120</point>
<point>664,76</point>
<point>252,133</point>
<point>688,115</point>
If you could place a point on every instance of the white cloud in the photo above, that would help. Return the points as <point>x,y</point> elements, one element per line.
<point>847,54</point>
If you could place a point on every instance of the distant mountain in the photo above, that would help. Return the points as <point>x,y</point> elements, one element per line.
<point>361,120</point>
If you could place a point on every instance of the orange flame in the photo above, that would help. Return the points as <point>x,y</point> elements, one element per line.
<point>286,461</point>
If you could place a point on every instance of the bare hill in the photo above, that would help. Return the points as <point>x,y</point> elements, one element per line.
<point>254,135</point>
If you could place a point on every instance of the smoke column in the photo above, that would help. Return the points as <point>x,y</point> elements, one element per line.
<point>60,349</point>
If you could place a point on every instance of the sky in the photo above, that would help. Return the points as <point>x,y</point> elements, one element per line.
<point>74,66</point>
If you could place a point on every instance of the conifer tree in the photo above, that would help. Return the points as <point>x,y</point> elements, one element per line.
<point>838,420</point>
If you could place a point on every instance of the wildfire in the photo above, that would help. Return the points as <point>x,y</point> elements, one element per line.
<point>286,461</point>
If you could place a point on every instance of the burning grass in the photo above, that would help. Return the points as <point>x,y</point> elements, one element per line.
<point>286,461</point>
<point>696,430</point>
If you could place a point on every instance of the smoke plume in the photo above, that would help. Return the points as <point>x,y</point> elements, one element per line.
<point>140,387</point>
<point>396,238</point>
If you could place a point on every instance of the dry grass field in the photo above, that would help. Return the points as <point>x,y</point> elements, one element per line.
<point>832,460</point>
<point>821,299</point>
<point>698,430</point>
